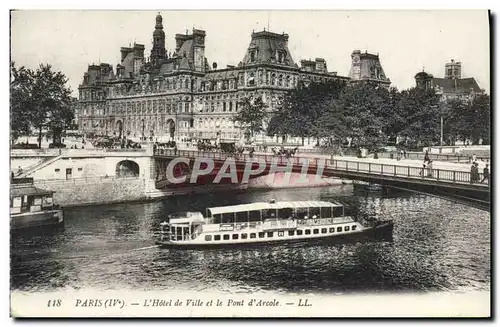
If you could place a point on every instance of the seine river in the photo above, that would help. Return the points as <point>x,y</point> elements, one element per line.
<point>437,246</point>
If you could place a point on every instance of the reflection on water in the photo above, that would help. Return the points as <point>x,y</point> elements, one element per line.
<point>437,245</point>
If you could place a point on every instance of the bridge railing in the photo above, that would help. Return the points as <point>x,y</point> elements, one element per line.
<point>454,176</point>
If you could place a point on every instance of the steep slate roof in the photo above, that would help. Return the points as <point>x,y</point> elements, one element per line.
<point>464,85</point>
<point>184,64</point>
<point>188,49</point>
<point>128,63</point>
<point>266,44</point>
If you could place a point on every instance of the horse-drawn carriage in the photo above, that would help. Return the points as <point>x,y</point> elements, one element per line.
<point>284,152</point>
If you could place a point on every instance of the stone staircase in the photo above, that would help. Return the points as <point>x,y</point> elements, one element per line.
<point>45,162</point>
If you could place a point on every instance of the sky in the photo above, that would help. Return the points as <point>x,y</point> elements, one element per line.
<point>406,41</point>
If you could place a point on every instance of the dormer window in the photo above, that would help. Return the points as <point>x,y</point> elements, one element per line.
<point>252,56</point>
<point>281,57</point>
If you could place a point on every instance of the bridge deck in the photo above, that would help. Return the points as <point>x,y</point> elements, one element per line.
<point>413,173</point>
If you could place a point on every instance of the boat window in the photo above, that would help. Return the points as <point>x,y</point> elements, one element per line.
<point>339,229</point>
<point>270,234</point>
<point>235,236</point>
<point>301,213</point>
<point>261,235</point>
<point>16,202</point>
<point>332,229</point>
<point>316,231</point>
<point>208,237</point>
<point>291,233</point>
<point>285,213</point>
<point>346,228</point>
<point>323,230</point>
<point>217,237</point>
<point>269,214</point>
<point>337,211</point>
<point>308,232</point>
<point>326,212</point>
<point>217,219</point>
<point>314,212</point>
<point>242,217</point>
<point>226,237</point>
<point>244,236</point>
<point>353,227</point>
<point>299,232</point>
<point>254,215</point>
<point>179,231</point>
<point>253,235</point>
<point>228,217</point>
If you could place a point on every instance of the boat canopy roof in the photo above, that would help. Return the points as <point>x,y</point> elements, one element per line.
<point>186,217</point>
<point>271,205</point>
<point>28,190</point>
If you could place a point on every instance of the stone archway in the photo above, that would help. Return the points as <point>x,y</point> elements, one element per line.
<point>127,168</point>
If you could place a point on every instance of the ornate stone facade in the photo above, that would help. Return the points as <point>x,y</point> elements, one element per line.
<point>176,94</point>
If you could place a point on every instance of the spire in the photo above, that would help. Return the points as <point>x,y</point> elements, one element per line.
<point>158,49</point>
<point>159,20</point>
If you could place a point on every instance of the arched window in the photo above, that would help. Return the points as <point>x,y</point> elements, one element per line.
<point>273,79</point>
<point>280,80</point>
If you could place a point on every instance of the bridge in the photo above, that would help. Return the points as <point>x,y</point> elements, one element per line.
<point>453,185</point>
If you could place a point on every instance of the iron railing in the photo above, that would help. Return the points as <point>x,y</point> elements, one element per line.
<point>446,175</point>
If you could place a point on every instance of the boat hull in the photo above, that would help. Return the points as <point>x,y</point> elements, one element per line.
<point>36,219</point>
<point>380,232</point>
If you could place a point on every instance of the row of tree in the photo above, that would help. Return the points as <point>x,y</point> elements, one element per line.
<point>39,100</point>
<point>366,115</point>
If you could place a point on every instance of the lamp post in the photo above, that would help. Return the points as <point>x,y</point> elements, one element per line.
<point>441,123</point>
<point>441,129</point>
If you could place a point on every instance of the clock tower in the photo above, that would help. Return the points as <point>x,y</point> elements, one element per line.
<point>158,49</point>
<point>355,72</point>
<point>366,67</point>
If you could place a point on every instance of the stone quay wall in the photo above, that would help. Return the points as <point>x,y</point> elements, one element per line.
<point>88,191</point>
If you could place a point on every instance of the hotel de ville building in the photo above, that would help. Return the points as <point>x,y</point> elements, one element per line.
<point>177,94</point>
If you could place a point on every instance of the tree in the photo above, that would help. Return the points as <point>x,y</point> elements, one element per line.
<point>421,110</point>
<point>481,119</point>
<point>40,99</point>
<point>20,101</point>
<point>251,115</point>
<point>307,110</point>
<point>364,105</point>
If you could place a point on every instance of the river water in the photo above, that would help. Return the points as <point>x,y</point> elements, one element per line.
<point>437,246</point>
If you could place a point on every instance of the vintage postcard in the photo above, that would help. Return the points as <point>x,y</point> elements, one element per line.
<point>271,163</point>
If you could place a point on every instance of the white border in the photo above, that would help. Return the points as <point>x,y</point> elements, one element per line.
<point>256,4</point>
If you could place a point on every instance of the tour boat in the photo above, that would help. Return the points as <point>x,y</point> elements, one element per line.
<point>268,223</point>
<point>31,206</point>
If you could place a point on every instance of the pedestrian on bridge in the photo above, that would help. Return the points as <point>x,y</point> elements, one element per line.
<point>486,174</point>
<point>474,173</point>
<point>423,169</point>
<point>426,157</point>
<point>429,169</point>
